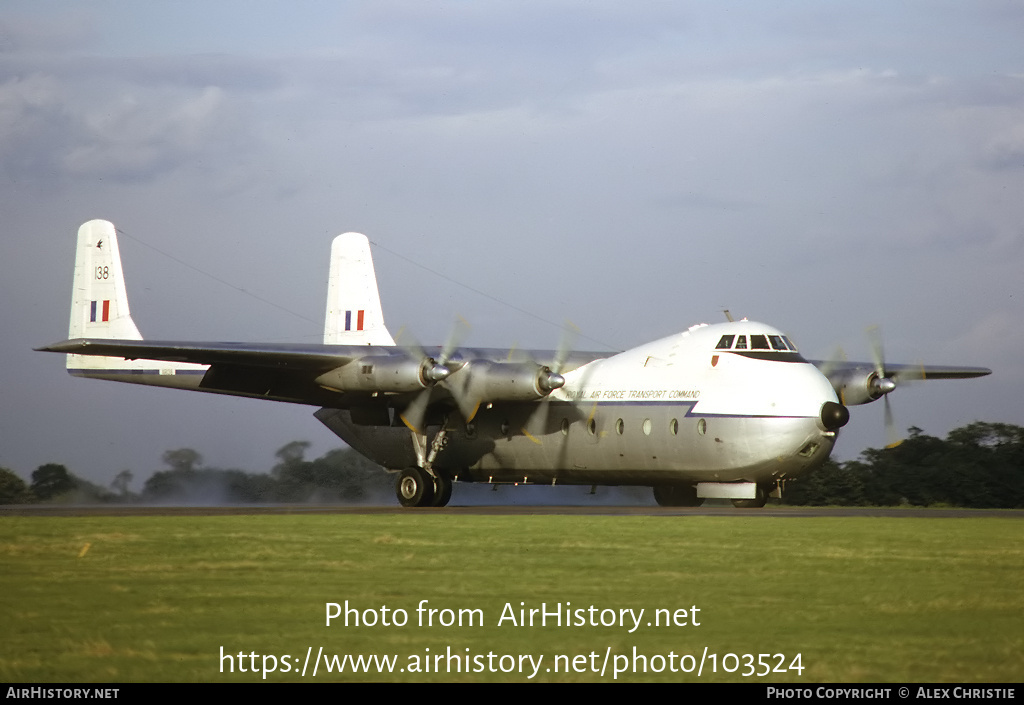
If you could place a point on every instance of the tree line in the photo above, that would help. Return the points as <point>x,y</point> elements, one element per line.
<point>979,465</point>
<point>338,476</point>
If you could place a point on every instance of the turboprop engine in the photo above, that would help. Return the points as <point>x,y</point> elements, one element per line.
<point>384,373</point>
<point>482,381</point>
<point>859,385</point>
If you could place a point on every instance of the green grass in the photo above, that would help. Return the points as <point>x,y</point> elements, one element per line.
<point>861,599</point>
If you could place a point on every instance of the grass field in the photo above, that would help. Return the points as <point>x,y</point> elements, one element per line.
<point>156,598</point>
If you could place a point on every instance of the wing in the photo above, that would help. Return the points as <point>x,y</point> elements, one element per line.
<point>863,382</point>
<point>278,372</point>
<point>341,376</point>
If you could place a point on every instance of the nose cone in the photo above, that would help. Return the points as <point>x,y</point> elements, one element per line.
<point>834,416</point>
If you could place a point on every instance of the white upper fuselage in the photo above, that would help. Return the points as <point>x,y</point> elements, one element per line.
<point>689,368</point>
<point>673,410</point>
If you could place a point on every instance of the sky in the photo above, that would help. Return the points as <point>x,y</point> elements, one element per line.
<point>634,168</point>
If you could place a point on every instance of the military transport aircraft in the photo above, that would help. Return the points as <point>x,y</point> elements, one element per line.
<point>730,410</point>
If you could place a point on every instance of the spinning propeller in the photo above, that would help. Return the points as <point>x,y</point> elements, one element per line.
<point>857,384</point>
<point>434,370</point>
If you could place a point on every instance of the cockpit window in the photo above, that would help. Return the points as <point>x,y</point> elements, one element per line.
<point>779,343</point>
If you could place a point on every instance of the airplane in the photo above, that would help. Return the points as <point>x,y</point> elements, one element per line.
<point>725,411</point>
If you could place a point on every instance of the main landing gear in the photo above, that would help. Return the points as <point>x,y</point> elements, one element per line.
<point>422,485</point>
<point>417,488</point>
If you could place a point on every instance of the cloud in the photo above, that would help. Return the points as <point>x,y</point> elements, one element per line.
<point>49,131</point>
<point>34,126</point>
<point>137,136</point>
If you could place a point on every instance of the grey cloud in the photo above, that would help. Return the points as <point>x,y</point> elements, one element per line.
<point>49,129</point>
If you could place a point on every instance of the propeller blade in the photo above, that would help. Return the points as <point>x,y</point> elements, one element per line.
<point>570,332</point>
<point>877,352</point>
<point>882,385</point>
<point>433,371</point>
<point>416,412</point>
<point>460,329</point>
<point>890,426</point>
<point>834,361</point>
<point>536,424</point>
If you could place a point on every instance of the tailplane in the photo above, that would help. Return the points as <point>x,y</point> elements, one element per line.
<point>354,313</point>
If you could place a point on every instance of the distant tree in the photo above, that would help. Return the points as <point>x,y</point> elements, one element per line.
<point>184,459</point>
<point>13,490</point>
<point>340,475</point>
<point>51,480</point>
<point>121,482</point>
<point>291,454</point>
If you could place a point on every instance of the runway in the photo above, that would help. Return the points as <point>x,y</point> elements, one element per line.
<point>43,510</point>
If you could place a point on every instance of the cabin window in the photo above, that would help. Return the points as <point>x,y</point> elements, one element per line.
<point>647,427</point>
<point>702,427</point>
<point>619,427</point>
<point>592,427</point>
<point>777,343</point>
<point>725,342</point>
<point>673,427</point>
<point>789,343</point>
<point>565,427</point>
<point>759,342</point>
<point>741,344</point>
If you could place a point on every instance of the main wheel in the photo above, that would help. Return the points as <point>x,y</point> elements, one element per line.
<point>677,496</point>
<point>415,488</point>
<point>442,491</point>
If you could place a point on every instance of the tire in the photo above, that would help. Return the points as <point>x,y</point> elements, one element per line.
<point>442,491</point>
<point>414,488</point>
<point>756,503</point>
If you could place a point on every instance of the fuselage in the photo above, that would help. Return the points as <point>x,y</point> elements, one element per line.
<point>680,409</point>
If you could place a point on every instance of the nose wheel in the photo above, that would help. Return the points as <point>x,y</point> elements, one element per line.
<point>759,500</point>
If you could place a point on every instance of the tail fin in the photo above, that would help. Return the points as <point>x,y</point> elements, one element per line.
<point>99,300</point>
<point>354,313</point>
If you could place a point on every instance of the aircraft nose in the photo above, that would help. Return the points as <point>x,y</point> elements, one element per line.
<point>834,416</point>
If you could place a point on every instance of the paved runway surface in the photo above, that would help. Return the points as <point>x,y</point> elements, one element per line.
<point>41,510</point>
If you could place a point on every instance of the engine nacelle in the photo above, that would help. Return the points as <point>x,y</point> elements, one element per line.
<point>384,373</point>
<point>488,381</point>
<point>860,386</point>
